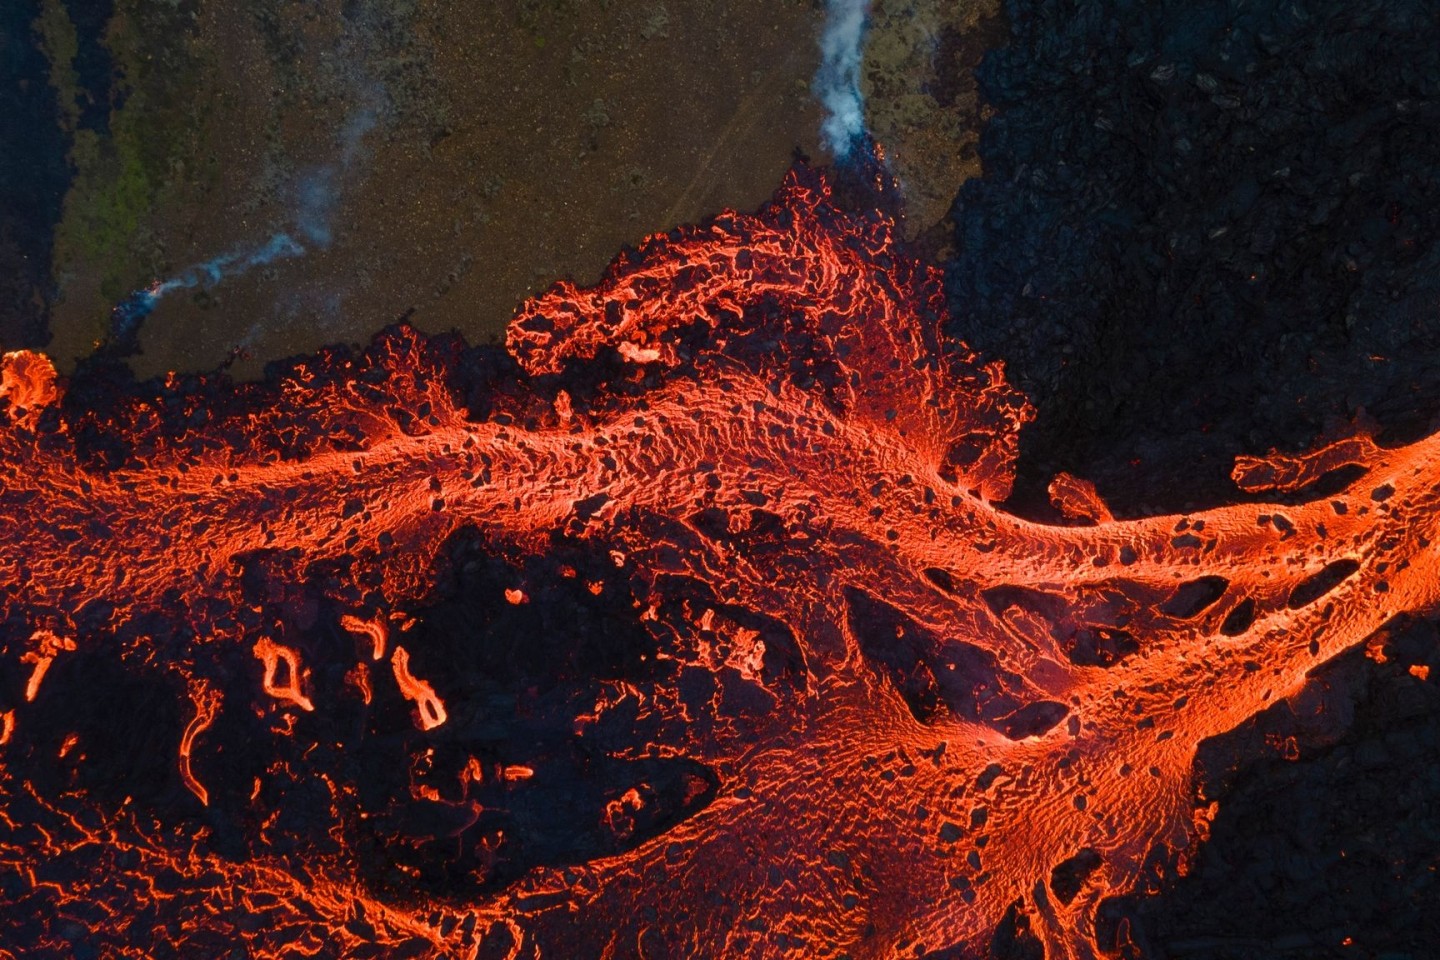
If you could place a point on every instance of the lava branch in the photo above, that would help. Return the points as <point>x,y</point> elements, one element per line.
<point>207,704</point>
<point>374,629</point>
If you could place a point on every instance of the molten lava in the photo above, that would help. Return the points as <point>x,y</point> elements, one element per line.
<point>879,716</point>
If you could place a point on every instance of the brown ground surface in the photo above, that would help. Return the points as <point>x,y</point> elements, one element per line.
<point>511,145</point>
<point>474,155</point>
<point>922,103</point>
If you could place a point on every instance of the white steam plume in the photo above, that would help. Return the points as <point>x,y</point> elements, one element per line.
<point>837,83</point>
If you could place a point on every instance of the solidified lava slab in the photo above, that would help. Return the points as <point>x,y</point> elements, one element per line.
<point>861,710</point>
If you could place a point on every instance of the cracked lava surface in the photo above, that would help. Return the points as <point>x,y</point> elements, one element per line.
<point>878,716</point>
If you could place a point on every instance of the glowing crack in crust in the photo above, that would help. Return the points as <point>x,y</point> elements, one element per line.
<point>980,714</point>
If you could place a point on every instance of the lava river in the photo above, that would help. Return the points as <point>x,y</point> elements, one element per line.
<point>878,716</point>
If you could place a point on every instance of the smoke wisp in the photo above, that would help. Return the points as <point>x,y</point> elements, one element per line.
<point>128,314</point>
<point>315,198</point>
<point>837,83</point>
<point>318,191</point>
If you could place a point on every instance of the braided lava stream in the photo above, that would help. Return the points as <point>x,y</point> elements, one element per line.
<point>879,716</point>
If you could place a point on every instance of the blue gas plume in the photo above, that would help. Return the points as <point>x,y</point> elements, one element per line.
<point>837,83</point>
<point>127,316</point>
<point>314,201</point>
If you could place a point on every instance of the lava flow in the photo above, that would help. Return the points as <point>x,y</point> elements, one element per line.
<point>872,715</point>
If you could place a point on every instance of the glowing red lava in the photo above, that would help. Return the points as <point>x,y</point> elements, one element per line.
<point>923,716</point>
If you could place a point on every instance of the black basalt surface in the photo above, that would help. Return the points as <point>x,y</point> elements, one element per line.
<point>1205,228</point>
<point>33,177</point>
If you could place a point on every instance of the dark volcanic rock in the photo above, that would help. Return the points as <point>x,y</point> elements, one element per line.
<point>1326,847</point>
<point>1205,228</point>
<point>33,177</point>
<point>1209,228</point>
